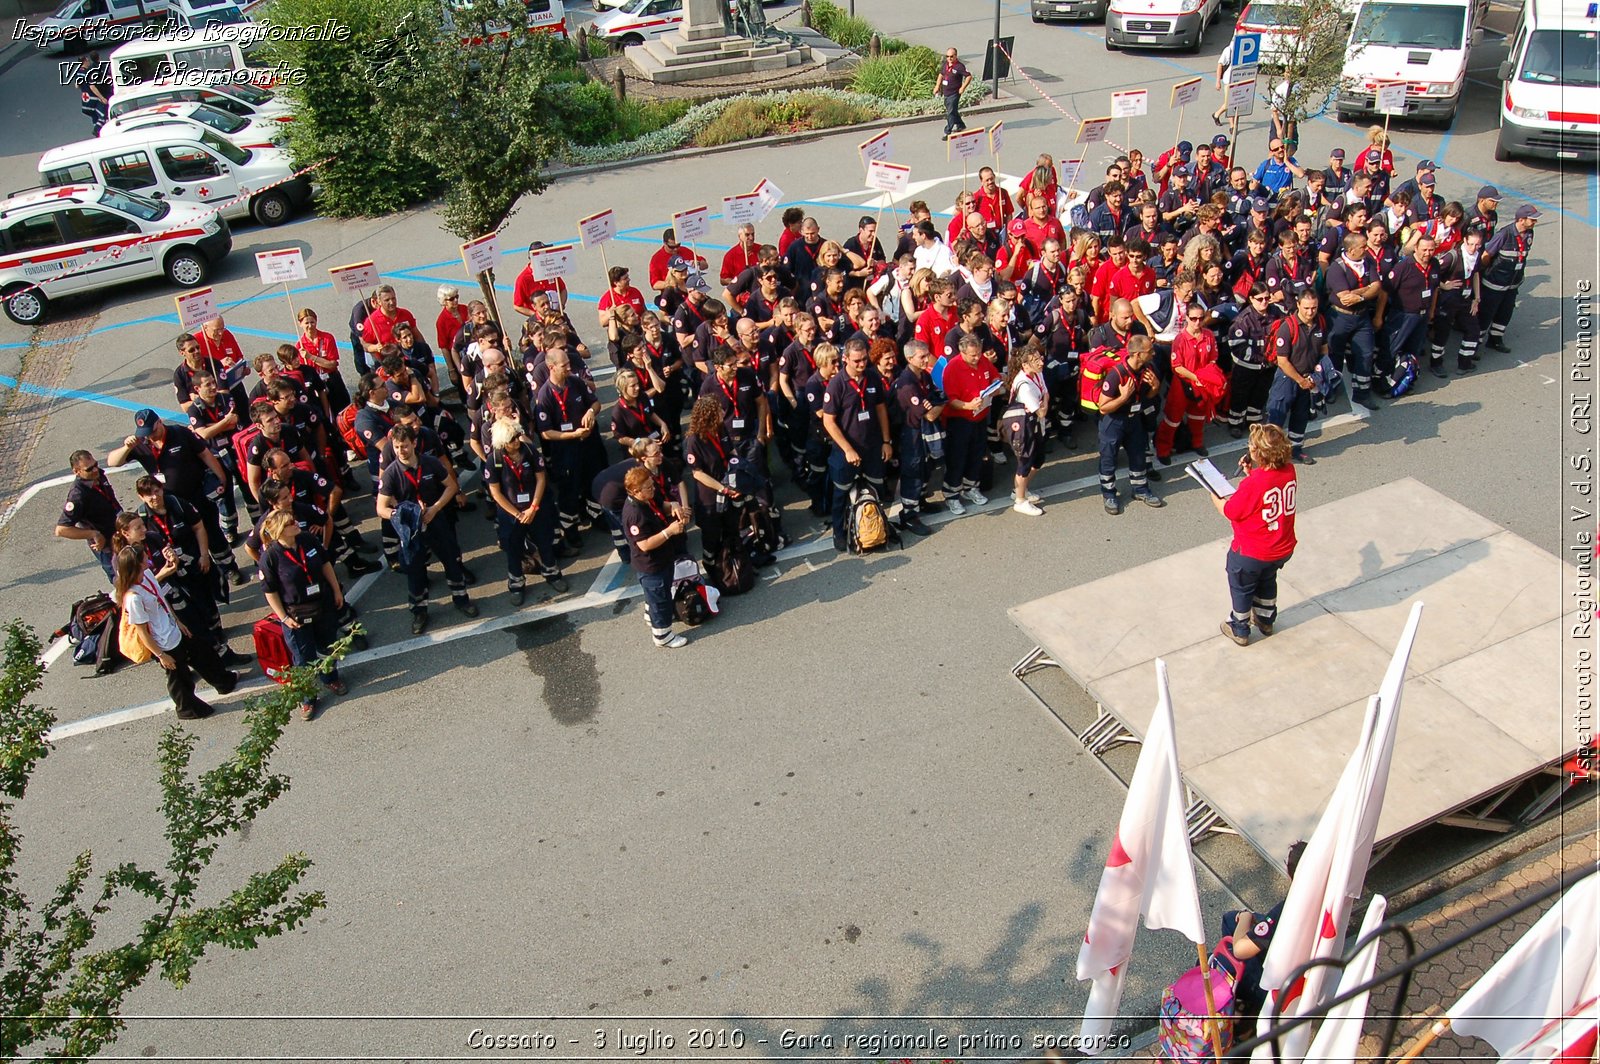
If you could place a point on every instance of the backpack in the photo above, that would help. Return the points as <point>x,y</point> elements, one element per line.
<point>733,571</point>
<point>1092,369</point>
<point>689,603</point>
<point>1185,1037</point>
<point>1404,376</point>
<point>241,446</point>
<point>92,632</point>
<point>347,431</point>
<point>758,533</point>
<point>869,526</point>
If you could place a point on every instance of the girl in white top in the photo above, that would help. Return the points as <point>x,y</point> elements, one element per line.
<point>1024,421</point>
<point>146,610</point>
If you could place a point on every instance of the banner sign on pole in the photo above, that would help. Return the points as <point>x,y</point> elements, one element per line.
<point>598,228</point>
<point>888,177</point>
<point>1070,170</point>
<point>1392,99</point>
<point>286,264</point>
<point>1185,93</point>
<point>1093,131</point>
<point>355,278</point>
<point>876,149</point>
<point>692,225</point>
<point>771,195</point>
<point>1241,98</point>
<point>968,144</point>
<point>997,138</point>
<point>550,263</point>
<point>481,255</point>
<point>737,210</point>
<point>195,308</point>
<point>1134,103</point>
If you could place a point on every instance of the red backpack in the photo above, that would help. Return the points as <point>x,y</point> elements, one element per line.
<point>1092,370</point>
<point>347,430</point>
<point>241,445</point>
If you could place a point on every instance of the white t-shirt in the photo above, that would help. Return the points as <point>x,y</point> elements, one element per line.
<point>1028,391</point>
<point>145,604</point>
<point>935,257</point>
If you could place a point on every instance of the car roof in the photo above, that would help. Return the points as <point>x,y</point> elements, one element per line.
<point>1565,14</point>
<point>133,138</point>
<point>35,197</point>
<point>170,109</point>
<point>186,38</point>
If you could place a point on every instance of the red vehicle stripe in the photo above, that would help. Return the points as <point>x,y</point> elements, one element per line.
<point>52,256</point>
<point>1575,116</point>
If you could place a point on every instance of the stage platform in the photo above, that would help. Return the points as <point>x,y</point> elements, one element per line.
<point>1263,731</point>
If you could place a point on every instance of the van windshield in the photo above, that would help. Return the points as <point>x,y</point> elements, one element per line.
<point>221,121</point>
<point>235,155</point>
<point>1270,15</point>
<point>251,94</point>
<point>1562,57</point>
<point>1411,25</point>
<point>148,209</point>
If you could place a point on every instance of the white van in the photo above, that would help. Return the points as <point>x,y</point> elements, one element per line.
<point>78,25</point>
<point>246,101</point>
<point>82,237</point>
<point>202,169</point>
<point>198,14</point>
<point>544,16</point>
<point>228,55</point>
<point>1424,43</point>
<point>1551,103</point>
<point>1159,23</point>
<point>192,119</point>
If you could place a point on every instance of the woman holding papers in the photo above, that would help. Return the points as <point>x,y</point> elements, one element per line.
<point>1261,510</point>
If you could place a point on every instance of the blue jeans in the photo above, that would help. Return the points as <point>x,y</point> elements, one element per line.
<point>1289,407</point>
<point>952,113</point>
<point>108,562</point>
<point>658,598</point>
<point>308,643</point>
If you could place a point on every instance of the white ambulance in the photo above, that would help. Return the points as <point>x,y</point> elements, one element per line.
<point>1550,105</point>
<point>77,238</point>
<point>192,119</point>
<point>1423,43</point>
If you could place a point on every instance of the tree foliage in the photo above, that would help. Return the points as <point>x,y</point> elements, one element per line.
<point>481,100</point>
<point>1310,57</point>
<point>63,983</point>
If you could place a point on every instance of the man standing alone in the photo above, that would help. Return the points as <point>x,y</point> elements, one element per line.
<point>954,77</point>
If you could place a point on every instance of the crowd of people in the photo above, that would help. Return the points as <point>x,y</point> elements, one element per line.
<point>922,363</point>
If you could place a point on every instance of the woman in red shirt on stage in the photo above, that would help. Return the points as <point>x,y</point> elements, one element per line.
<point>1261,510</point>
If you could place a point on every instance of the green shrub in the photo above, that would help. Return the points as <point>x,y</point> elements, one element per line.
<point>831,21</point>
<point>790,113</point>
<point>907,76</point>
<point>586,112</point>
<point>744,120</point>
<point>635,118</point>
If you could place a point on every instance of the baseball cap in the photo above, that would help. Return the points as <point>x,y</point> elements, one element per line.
<point>1489,192</point>
<point>1527,210</point>
<point>1185,149</point>
<point>1426,178</point>
<point>1182,171</point>
<point>1427,164</point>
<point>1016,228</point>
<point>1219,141</point>
<point>536,245</point>
<point>1337,153</point>
<point>1260,204</point>
<point>678,264</point>
<point>144,422</point>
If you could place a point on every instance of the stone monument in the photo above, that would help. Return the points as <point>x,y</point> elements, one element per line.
<point>703,47</point>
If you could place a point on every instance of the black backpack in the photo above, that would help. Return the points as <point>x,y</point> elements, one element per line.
<point>734,571</point>
<point>759,533</point>
<point>92,632</point>
<point>689,605</point>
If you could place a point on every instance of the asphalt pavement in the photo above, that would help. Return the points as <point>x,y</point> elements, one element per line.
<point>835,801</point>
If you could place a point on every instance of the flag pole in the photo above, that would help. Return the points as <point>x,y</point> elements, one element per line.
<point>1414,1050</point>
<point>1212,1023</point>
<point>290,298</point>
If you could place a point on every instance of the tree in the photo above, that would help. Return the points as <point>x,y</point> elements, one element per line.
<point>342,121</point>
<point>1309,58</point>
<point>62,979</point>
<point>481,99</point>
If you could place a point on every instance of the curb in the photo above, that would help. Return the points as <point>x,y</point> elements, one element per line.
<point>1013,103</point>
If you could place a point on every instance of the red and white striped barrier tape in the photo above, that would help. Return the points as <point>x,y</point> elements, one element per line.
<point>1068,115</point>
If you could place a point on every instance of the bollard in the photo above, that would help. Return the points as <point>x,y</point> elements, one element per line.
<point>581,39</point>
<point>805,13</point>
<point>874,47</point>
<point>622,83</point>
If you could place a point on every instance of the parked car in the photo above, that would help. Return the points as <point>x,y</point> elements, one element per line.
<point>168,164</point>
<point>193,118</point>
<point>1550,106</point>
<point>1061,10</point>
<point>1424,43</point>
<point>246,101</point>
<point>1159,23</point>
<point>79,238</point>
<point>79,25</point>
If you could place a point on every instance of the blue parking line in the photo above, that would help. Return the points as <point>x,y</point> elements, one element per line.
<point>87,397</point>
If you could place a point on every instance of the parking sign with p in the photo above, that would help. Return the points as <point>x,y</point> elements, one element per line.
<point>1246,49</point>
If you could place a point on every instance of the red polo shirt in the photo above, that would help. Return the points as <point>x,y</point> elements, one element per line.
<point>965,382</point>
<point>1124,285</point>
<point>526,286</point>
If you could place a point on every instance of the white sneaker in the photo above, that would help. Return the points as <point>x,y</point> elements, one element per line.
<point>673,642</point>
<point>1035,499</point>
<point>954,502</point>
<point>1024,506</point>
<point>975,497</point>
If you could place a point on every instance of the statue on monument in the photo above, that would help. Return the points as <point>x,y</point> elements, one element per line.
<point>755,18</point>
